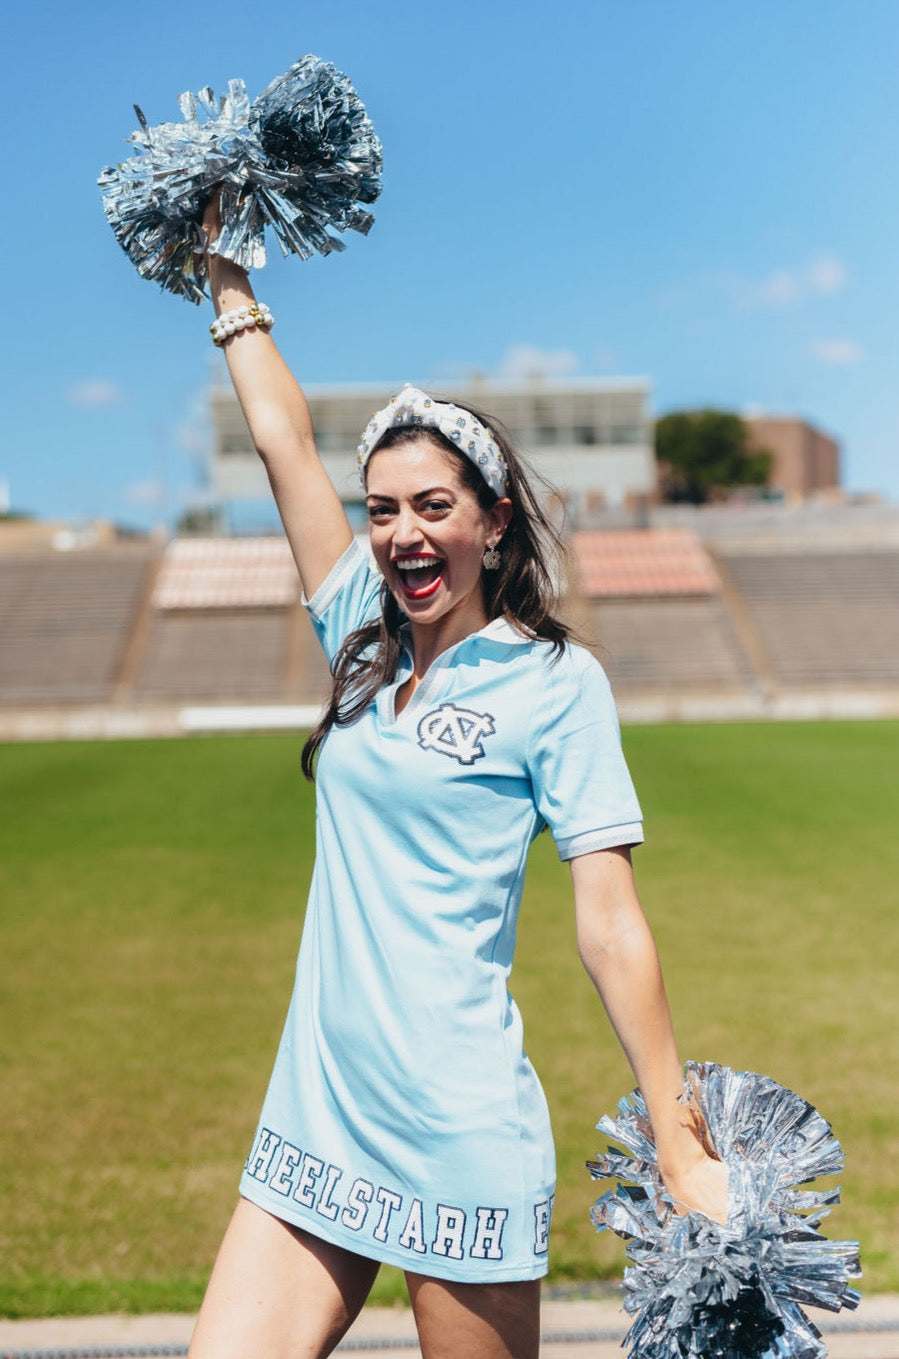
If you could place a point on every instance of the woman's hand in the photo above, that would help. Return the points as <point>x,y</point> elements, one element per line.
<point>696,1181</point>
<point>212,216</point>
<point>229,284</point>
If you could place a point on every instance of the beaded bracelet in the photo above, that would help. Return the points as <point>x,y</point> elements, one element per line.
<point>243,318</point>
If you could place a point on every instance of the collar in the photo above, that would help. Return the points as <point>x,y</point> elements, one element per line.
<point>497,630</point>
<point>501,630</point>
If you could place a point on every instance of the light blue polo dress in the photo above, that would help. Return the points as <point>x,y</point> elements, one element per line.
<point>403,1120</point>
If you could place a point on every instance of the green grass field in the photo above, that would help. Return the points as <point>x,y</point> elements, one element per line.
<point>152,897</point>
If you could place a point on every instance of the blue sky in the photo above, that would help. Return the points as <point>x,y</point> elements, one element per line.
<point>704,193</point>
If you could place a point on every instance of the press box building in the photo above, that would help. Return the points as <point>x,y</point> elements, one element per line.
<point>590,438</point>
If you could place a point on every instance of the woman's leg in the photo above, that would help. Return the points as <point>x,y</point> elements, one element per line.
<point>476,1321</point>
<point>277,1292</point>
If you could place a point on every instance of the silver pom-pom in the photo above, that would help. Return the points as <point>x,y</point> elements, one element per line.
<point>699,1289</point>
<point>302,159</point>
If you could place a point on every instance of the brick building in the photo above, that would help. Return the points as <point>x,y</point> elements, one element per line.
<point>806,459</point>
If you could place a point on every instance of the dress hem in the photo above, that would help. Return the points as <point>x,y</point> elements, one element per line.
<point>385,1255</point>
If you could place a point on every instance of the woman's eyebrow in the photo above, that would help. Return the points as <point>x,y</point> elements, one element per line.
<point>419,495</point>
<point>432,490</point>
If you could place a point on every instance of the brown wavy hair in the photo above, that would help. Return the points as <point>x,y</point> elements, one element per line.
<point>522,590</point>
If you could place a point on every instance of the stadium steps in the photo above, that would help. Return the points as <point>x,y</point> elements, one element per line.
<point>824,618</point>
<point>137,639</point>
<point>746,629</point>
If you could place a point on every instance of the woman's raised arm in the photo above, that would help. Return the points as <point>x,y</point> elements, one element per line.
<point>281,428</point>
<point>619,953</point>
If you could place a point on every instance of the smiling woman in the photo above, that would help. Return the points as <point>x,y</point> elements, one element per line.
<point>429,534</point>
<point>403,1121</point>
<point>459,552</point>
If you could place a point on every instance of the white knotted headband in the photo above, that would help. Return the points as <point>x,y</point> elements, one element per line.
<point>414,407</point>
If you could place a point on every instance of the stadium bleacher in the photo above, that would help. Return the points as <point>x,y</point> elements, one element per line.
<point>66,619</point>
<point>653,608</point>
<point>824,617</point>
<point>226,625</point>
<point>669,644</point>
<point>132,627</point>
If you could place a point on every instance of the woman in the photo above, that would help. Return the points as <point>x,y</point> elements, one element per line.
<point>403,1122</point>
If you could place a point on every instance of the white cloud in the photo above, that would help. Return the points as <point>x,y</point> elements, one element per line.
<point>826,274</point>
<point>780,289</point>
<point>820,276</point>
<point>526,360</point>
<point>95,394</point>
<point>150,492</point>
<point>841,353</point>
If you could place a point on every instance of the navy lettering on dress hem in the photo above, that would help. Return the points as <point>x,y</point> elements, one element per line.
<point>310,1173</point>
<point>450,1232</point>
<point>327,1208</point>
<point>282,1178</point>
<point>313,1182</point>
<point>542,1216</point>
<point>412,1237</point>
<point>259,1161</point>
<point>389,1202</point>
<point>357,1203</point>
<point>488,1234</point>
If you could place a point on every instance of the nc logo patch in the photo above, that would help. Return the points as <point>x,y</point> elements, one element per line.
<point>457,732</point>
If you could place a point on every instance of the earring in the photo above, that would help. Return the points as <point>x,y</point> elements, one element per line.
<point>491,559</point>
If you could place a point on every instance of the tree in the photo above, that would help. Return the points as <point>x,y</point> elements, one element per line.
<point>701,452</point>
<point>199,519</point>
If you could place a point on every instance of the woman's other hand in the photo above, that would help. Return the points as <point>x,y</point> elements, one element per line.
<point>697,1182</point>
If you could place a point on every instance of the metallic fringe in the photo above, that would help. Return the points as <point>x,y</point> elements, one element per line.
<point>301,159</point>
<point>697,1288</point>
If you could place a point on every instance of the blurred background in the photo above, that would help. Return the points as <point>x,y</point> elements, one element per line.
<point>591,224</point>
<point>658,243</point>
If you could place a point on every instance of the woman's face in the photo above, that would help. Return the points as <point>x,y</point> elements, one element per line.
<point>428,533</point>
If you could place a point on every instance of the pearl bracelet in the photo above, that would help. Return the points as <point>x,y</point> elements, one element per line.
<point>242,318</point>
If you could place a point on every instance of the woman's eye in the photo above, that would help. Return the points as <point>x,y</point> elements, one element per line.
<point>378,511</point>
<point>437,506</point>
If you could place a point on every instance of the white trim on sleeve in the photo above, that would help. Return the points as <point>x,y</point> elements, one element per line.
<point>612,837</point>
<point>347,565</point>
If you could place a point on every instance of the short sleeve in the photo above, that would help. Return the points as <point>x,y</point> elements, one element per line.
<point>582,785</point>
<point>348,597</point>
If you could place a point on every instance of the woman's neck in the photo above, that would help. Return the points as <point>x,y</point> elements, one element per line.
<point>430,640</point>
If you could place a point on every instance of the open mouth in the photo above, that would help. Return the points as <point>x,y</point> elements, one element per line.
<point>419,576</point>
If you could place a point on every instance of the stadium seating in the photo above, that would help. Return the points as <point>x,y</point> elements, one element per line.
<point>823,617</point>
<point>209,657</point>
<point>226,625</point>
<point>642,562</point>
<point>66,619</point>
<point>663,645</point>
<point>226,573</point>
<point>654,611</point>
<point>232,655</point>
<point>219,621</point>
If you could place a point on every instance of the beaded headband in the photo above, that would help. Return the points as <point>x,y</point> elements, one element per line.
<point>413,407</point>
